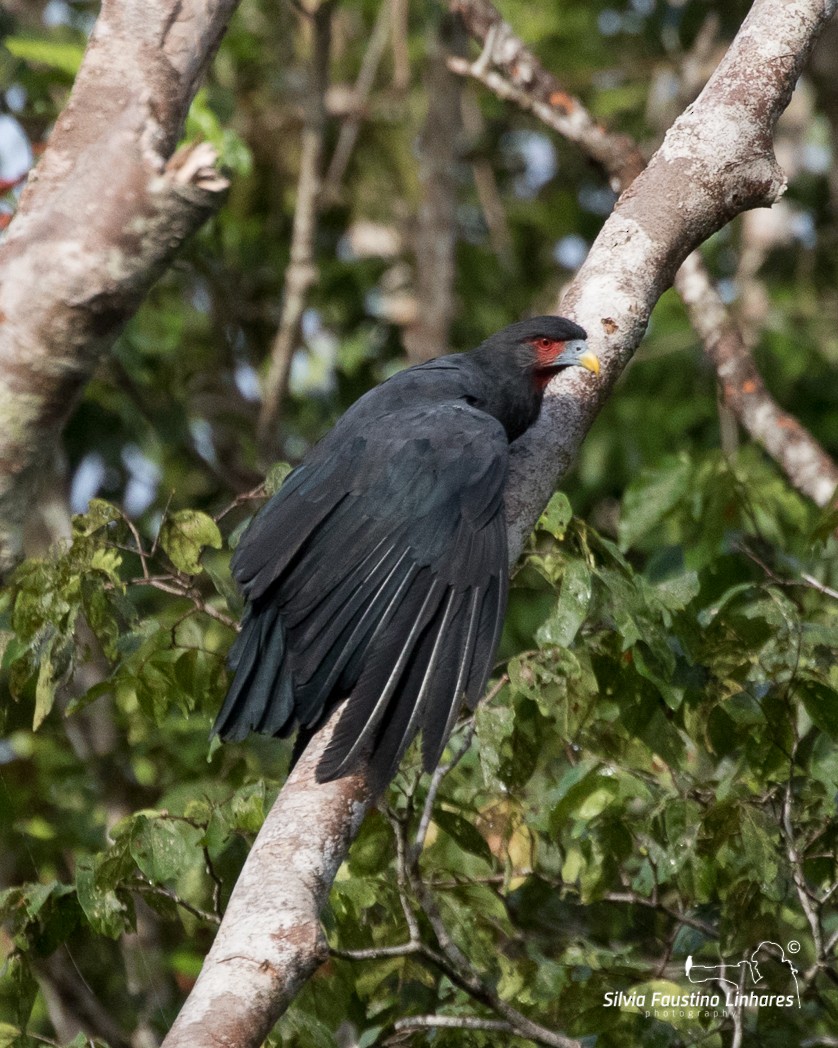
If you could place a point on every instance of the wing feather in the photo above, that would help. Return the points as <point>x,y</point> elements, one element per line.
<point>377,577</point>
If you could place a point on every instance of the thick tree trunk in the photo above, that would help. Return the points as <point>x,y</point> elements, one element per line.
<point>100,219</point>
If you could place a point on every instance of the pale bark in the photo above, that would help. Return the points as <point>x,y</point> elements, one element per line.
<point>716,161</point>
<point>270,940</point>
<point>99,220</point>
<point>511,71</point>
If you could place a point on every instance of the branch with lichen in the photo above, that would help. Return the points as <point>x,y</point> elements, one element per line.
<point>510,70</point>
<point>100,219</point>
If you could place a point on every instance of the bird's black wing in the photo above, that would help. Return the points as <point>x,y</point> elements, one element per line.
<point>378,575</point>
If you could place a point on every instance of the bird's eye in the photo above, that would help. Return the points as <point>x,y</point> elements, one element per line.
<point>544,343</point>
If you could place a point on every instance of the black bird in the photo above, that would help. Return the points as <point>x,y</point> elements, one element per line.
<point>377,576</point>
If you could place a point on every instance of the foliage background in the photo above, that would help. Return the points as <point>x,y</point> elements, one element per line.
<point>656,776</point>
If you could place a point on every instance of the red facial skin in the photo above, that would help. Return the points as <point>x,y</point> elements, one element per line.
<point>547,349</point>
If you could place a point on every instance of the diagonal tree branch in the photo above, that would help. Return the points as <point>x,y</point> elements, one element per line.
<point>525,82</point>
<point>100,219</point>
<point>716,161</point>
<point>436,226</point>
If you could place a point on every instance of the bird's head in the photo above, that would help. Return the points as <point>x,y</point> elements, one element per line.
<point>541,346</point>
<point>518,362</point>
<point>546,345</point>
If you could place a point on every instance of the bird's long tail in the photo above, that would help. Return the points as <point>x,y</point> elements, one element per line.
<point>261,696</point>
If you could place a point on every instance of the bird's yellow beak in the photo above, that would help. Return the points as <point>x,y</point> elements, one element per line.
<point>589,361</point>
<point>576,353</point>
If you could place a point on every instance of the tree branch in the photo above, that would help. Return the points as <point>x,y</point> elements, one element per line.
<point>270,940</point>
<point>301,273</point>
<point>363,86</point>
<point>804,461</point>
<point>807,465</point>
<point>715,162</point>
<point>436,225</point>
<point>99,220</point>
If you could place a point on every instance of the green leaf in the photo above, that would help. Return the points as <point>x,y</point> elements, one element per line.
<point>44,688</point>
<point>247,807</point>
<point>556,516</point>
<point>99,514</point>
<point>276,477</point>
<point>184,535</point>
<point>159,848</point>
<point>62,55</point>
<point>574,599</point>
<point>9,1034</point>
<point>676,593</point>
<point>105,911</point>
<point>821,704</point>
<point>648,500</point>
<point>461,830</point>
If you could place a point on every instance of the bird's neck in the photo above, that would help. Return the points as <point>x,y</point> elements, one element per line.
<point>513,399</point>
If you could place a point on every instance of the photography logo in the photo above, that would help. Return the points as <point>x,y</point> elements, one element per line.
<point>765,978</point>
<point>745,979</point>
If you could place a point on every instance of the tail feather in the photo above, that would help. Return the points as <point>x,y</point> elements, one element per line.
<point>436,729</point>
<point>261,695</point>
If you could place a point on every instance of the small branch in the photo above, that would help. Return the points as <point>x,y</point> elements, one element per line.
<point>813,583</point>
<point>377,953</point>
<point>363,86</point>
<point>217,884</point>
<point>806,464</point>
<point>653,904</point>
<point>436,221</point>
<point>301,273</point>
<point>453,1022</point>
<point>807,905</point>
<point>248,496</point>
<point>491,202</point>
<point>158,889</point>
<point>172,585</point>
<point>401,51</point>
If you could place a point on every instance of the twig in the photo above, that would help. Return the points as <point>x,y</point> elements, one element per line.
<point>491,202</point>
<point>827,591</point>
<point>436,221</point>
<point>653,904</point>
<point>217,883</point>
<point>170,584</point>
<point>443,769</point>
<point>363,86</point>
<point>453,1022</point>
<point>140,550</point>
<point>401,53</point>
<point>301,272</point>
<point>248,496</point>
<point>150,888</point>
<point>808,907</point>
